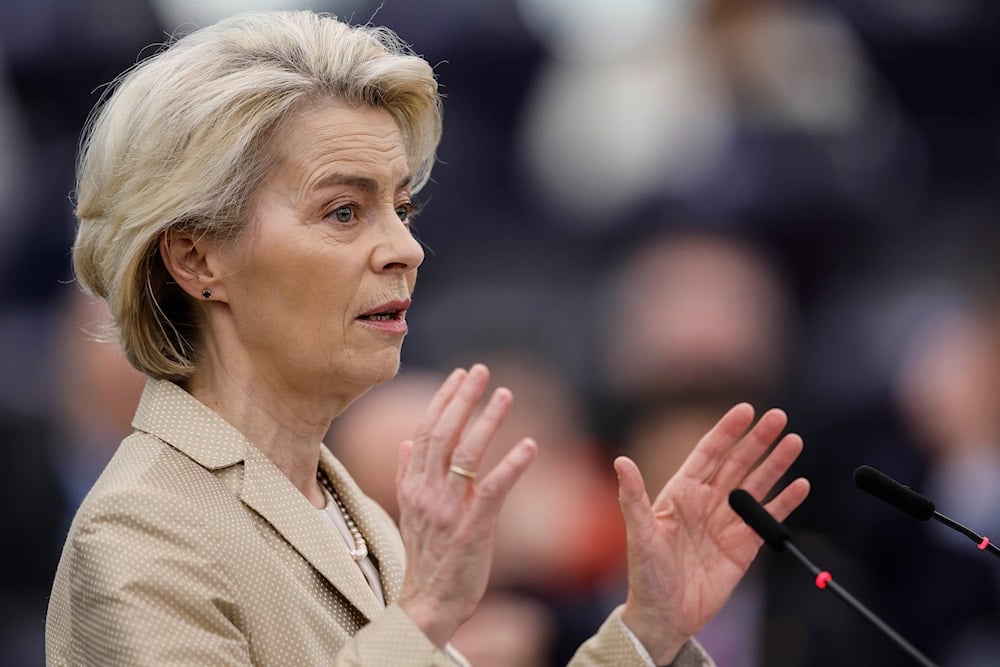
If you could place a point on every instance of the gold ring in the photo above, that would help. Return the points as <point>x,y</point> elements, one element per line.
<point>459,470</point>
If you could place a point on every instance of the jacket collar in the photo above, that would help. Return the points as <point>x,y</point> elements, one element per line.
<point>182,421</point>
<point>179,419</point>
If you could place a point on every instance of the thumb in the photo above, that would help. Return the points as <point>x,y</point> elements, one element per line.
<point>633,499</point>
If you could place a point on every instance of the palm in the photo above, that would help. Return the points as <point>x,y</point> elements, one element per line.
<point>688,550</point>
<point>699,538</point>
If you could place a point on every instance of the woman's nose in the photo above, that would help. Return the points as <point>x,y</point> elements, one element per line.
<point>399,251</point>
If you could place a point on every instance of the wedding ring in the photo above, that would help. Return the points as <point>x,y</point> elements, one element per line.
<point>459,470</point>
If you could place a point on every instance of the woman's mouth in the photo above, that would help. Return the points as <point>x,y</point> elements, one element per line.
<point>387,317</point>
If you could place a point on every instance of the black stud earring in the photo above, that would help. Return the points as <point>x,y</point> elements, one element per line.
<point>207,293</point>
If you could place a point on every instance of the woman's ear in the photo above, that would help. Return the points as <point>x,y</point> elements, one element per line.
<point>191,259</point>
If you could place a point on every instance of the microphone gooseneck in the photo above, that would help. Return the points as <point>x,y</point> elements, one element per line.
<point>777,536</point>
<point>906,499</point>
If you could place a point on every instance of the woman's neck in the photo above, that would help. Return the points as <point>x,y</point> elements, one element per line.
<point>285,425</point>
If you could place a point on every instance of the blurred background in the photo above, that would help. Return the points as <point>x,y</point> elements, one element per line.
<point>644,212</point>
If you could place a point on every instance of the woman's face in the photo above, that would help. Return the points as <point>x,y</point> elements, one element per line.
<point>319,285</point>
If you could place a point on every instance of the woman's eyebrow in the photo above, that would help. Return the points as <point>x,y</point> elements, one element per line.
<point>365,183</point>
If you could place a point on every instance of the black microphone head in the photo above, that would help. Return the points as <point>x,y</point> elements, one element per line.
<point>753,513</point>
<point>881,486</point>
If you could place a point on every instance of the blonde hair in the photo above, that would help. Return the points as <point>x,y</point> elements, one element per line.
<point>182,139</point>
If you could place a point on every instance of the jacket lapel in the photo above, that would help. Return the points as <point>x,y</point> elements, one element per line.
<point>377,527</point>
<point>268,492</point>
<point>176,417</point>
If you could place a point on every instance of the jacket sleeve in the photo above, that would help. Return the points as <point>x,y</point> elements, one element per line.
<point>614,645</point>
<point>143,587</point>
<point>394,639</point>
<point>144,581</point>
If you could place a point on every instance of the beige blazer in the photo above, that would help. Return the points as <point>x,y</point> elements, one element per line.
<point>194,549</point>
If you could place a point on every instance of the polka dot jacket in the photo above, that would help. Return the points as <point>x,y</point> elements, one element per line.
<point>194,549</point>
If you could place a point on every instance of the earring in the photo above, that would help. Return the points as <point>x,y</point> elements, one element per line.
<point>206,293</point>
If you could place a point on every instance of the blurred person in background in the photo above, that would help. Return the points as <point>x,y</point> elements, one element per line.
<point>888,372</point>
<point>96,397</point>
<point>53,382</point>
<point>693,319</point>
<point>559,537</point>
<point>508,627</point>
<point>947,391</point>
<point>244,199</point>
<point>366,437</point>
<point>556,531</point>
<point>57,460</point>
<point>731,108</point>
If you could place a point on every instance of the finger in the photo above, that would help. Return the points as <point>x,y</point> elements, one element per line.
<point>760,482</point>
<point>493,487</point>
<point>634,501</point>
<point>789,499</point>
<point>741,459</point>
<point>704,459</point>
<point>450,426</point>
<point>444,394</point>
<point>469,453</point>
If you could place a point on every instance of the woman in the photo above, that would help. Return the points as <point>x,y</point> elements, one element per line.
<point>244,203</point>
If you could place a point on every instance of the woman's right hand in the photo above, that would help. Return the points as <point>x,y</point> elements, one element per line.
<point>447,520</point>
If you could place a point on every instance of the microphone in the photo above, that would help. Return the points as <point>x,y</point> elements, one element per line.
<point>776,536</point>
<point>881,486</point>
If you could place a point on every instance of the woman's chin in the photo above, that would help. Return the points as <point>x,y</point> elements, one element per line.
<point>389,373</point>
<point>381,367</point>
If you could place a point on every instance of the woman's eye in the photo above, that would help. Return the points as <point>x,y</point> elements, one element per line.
<point>405,212</point>
<point>343,214</point>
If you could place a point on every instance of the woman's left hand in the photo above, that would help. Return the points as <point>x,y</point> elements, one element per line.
<point>688,549</point>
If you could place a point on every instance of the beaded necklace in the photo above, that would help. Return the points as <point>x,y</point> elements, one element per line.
<point>360,550</point>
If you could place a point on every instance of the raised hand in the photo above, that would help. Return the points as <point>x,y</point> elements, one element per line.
<point>687,550</point>
<point>448,509</point>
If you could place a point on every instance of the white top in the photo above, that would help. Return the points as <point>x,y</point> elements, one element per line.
<point>331,514</point>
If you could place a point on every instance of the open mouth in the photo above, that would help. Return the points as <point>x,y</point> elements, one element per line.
<point>384,316</point>
<point>392,311</point>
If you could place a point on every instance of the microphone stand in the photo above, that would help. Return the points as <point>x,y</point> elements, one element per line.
<point>823,580</point>
<point>776,536</point>
<point>981,541</point>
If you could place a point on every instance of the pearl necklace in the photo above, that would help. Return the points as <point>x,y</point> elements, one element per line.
<point>360,550</point>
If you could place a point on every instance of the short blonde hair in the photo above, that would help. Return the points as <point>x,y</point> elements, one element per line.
<point>182,139</point>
